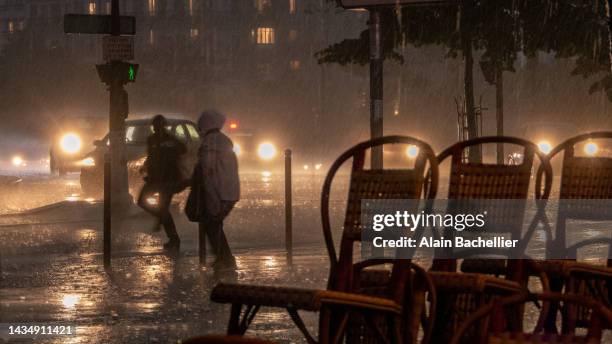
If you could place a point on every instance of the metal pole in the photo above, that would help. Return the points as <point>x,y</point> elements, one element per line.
<point>107,211</point>
<point>499,113</point>
<point>115,19</point>
<point>122,198</point>
<point>376,87</point>
<point>202,243</point>
<point>288,208</point>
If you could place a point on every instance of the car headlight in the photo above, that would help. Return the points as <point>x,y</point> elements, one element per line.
<point>71,143</point>
<point>237,149</point>
<point>89,162</point>
<point>266,151</point>
<point>17,161</point>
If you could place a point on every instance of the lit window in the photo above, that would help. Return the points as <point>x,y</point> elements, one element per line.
<point>193,33</point>
<point>11,26</point>
<point>265,35</point>
<point>292,7</point>
<point>292,35</point>
<point>262,5</point>
<point>294,64</point>
<point>92,8</point>
<point>151,37</point>
<point>152,7</point>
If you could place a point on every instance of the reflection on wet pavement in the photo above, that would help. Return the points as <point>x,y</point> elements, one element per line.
<point>52,266</point>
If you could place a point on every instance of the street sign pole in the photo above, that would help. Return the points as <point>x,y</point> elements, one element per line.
<point>115,73</point>
<point>376,87</point>
<point>117,114</point>
<point>117,179</point>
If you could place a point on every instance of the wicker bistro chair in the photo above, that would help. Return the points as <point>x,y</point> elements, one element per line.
<point>584,180</point>
<point>459,294</point>
<point>600,317</point>
<point>360,304</point>
<point>480,181</point>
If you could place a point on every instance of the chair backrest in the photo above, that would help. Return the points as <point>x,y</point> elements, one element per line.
<point>390,184</point>
<point>584,177</point>
<point>492,181</point>
<point>584,181</point>
<point>600,317</point>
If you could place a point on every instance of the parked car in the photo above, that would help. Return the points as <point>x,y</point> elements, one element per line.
<point>136,134</point>
<point>72,138</point>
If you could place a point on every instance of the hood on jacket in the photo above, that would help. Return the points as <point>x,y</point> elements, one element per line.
<point>210,119</point>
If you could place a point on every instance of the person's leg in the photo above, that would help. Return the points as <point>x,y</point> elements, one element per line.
<point>202,241</point>
<point>165,199</point>
<point>209,229</point>
<point>225,253</point>
<point>218,242</point>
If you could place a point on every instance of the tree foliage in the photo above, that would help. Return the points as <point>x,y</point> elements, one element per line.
<point>501,30</point>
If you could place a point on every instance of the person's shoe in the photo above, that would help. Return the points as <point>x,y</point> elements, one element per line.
<point>173,244</point>
<point>225,264</point>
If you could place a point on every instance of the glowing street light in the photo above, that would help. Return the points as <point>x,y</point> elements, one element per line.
<point>544,146</point>
<point>591,148</point>
<point>412,151</point>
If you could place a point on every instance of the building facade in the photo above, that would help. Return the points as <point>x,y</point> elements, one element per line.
<point>252,58</point>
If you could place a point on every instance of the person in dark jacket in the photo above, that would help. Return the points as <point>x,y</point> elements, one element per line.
<point>163,176</point>
<point>218,166</point>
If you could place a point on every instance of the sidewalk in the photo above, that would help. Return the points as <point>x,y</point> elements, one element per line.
<point>52,272</point>
<point>148,298</point>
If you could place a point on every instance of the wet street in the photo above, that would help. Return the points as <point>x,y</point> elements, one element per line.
<point>52,272</point>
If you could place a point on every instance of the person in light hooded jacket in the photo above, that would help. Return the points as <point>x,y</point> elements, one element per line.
<point>220,184</point>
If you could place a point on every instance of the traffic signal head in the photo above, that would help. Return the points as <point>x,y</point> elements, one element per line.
<point>117,72</point>
<point>132,71</point>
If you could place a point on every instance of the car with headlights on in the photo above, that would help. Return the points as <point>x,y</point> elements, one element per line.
<point>256,152</point>
<point>136,134</point>
<point>72,138</point>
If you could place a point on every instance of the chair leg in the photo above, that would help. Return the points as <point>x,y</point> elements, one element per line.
<point>233,327</point>
<point>295,316</point>
<point>377,330</point>
<point>238,326</point>
<point>249,315</point>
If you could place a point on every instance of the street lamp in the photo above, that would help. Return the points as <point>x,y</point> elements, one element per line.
<point>376,62</point>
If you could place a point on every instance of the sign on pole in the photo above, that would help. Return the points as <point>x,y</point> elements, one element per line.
<point>118,48</point>
<point>371,3</point>
<point>97,24</point>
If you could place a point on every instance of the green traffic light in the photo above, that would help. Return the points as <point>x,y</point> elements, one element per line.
<point>131,73</point>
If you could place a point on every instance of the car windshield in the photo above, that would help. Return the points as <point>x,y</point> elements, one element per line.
<point>137,134</point>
